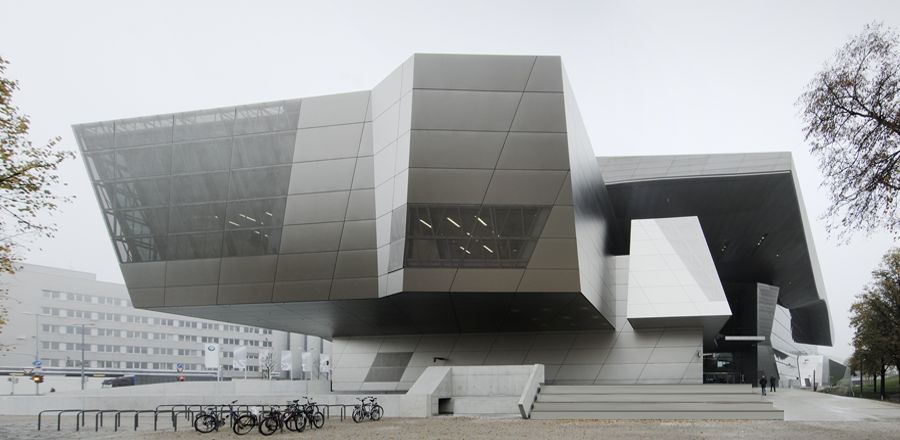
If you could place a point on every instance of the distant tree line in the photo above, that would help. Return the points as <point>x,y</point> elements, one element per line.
<point>875,318</point>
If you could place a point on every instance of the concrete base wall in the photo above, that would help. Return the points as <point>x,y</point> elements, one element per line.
<point>625,356</point>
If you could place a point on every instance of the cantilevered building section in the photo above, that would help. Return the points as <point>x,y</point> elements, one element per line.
<point>456,214</point>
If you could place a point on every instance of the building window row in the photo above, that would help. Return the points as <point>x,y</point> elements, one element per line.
<point>80,297</point>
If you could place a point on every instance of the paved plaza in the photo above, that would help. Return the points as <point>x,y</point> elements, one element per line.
<point>807,414</point>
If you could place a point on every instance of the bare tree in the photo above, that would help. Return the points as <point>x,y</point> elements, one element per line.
<point>851,112</point>
<point>27,174</point>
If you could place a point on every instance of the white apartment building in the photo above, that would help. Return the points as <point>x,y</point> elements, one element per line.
<point>55,305</point>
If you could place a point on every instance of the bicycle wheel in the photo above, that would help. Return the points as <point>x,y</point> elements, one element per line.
<point>205,423</point>
<point>268,425</point>
<point>357,415</point>
<point>301,422</point>
<point>318,420</point>
<point>377,412</point>
<point>290,423</point>
<point>244,424</point>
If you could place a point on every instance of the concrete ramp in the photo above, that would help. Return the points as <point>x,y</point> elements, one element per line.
<point>685,402</point>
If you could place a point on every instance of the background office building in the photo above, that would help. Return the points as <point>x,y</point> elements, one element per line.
<point>457,214</point>
<point>120,339</point>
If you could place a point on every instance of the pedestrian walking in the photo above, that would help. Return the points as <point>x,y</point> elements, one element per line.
<point>762,384</point>
<point>772,381</point>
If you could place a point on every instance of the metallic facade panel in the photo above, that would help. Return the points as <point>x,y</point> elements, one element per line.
<point>191,295</point>
<point>358,235</point>
<point>515,187</point>
<point>290,291</point>
<point>344,108</point>
<point>364,176</point>
<point>144,274</point>
<point>463,110</point>
<point>448,186</point>
<point>546,75</point>
<point>455,149</point>
<point>535,151</point>
<point>472,72</point>
<point>541,112</point>
<point>331,142</point>
<point>361,205</point>
<point>322,176</point>
<point>354,288</point>
<point>303,267</point>
<point>245,293</point>
<point>486,280</point>
<point>316,208</point>
<point>192,272</point>
<point>315,237</point>
<point>356,264</point>
<point>147,297</point>
<point>248,269</point>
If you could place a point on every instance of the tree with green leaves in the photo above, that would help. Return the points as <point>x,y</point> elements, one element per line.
<point>875,318</point>
<point>27,179</point>
<point>851,115</point>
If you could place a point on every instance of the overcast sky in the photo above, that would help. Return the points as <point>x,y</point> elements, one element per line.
<point>663,77</point>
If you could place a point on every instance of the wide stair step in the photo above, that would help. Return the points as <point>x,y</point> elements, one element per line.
<point>653,402</point>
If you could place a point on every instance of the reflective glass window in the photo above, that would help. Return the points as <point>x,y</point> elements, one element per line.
<point>144,131</point>
<point>271,116</point>
<point>260,182</point>
<point>192,246</point>
<point>97,136</point>
<point>248,242</point>
<point>144,162</point>
<point>151,221</point>
<point>140,193</point>
<point>204,217</point>
<point>140,249</point>
<point>204,124</point>
<point>472,236</point>
<point>263,149</point>
<point>202,156</point>
<point>102,166</point>
<point>197,188</point>
<point>255,213</point>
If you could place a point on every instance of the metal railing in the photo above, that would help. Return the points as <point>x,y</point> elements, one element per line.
<point>172,411</point>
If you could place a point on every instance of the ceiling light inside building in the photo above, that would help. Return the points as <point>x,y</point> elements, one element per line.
<point>425,223</point>
<point>453,222</point>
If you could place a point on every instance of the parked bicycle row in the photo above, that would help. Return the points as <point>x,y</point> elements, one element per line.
<point>240,418</point>
<point>295,416</point>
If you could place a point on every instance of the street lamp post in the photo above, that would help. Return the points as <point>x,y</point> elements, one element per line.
<point>37,344</point>
<point>83,325</point>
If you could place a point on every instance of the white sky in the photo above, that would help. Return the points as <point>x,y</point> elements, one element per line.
<point>659,77</point>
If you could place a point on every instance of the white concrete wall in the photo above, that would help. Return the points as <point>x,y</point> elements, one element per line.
<point>474,390</point>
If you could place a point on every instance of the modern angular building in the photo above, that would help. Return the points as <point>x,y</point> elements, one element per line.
<point>457,214</point>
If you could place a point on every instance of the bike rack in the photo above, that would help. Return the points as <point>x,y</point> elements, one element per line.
<point>174,411</point>
<point>41,414</point>
<point>82,414</point>
<point>64,411</point>
<point>98,418</point>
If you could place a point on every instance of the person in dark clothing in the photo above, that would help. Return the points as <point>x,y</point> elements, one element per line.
<point>762,384</point>
<point>772,381</point>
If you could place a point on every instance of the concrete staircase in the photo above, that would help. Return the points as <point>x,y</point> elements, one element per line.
<point>712,401</point>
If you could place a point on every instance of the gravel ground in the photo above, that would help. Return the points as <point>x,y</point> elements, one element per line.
<point>17,427</point>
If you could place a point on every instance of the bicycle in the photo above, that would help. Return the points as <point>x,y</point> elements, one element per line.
<point>368,408</point>
<point>212,418</point>
<point>272,421</point>
<point>293,417</point>
<point>312,414</point>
